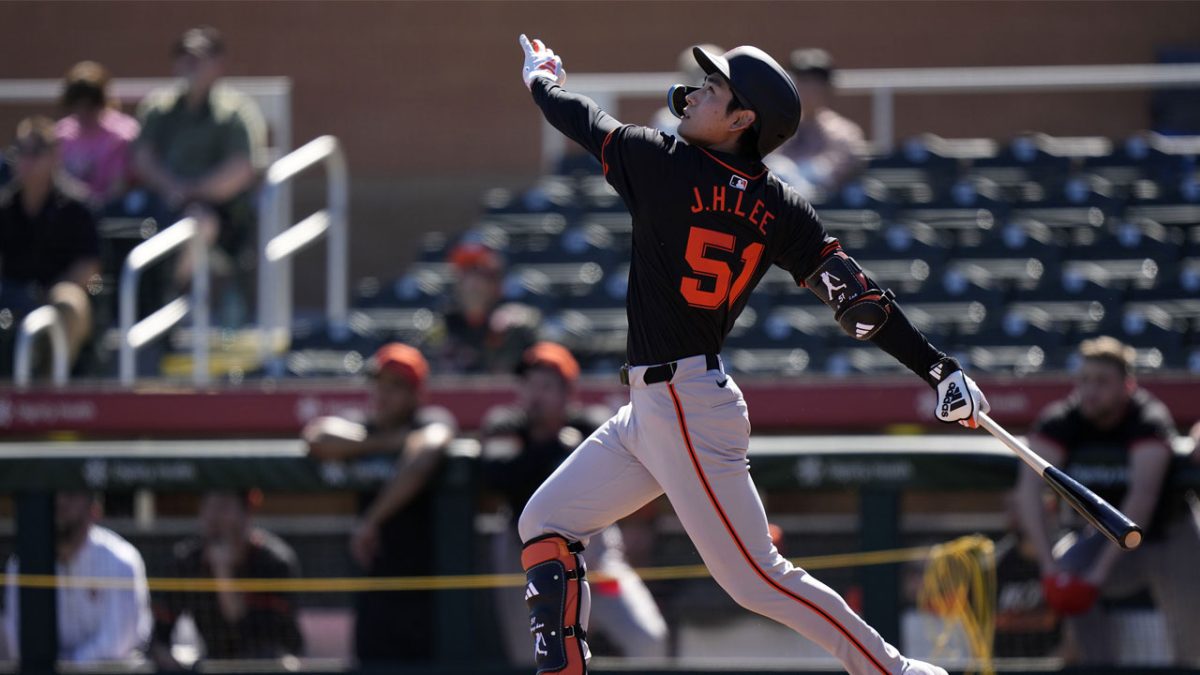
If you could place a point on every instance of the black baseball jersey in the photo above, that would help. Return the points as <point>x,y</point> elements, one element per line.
<point>707,226</point>
<point>269,629</point>
<point>1146,418</point>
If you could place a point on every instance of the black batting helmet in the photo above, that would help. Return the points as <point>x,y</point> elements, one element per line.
<point>759,84</point>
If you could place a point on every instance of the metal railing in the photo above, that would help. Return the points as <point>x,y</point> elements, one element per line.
<point>279,240</point>
<point>46,319</point>
<point>882,84</point>
<point>187,232</point>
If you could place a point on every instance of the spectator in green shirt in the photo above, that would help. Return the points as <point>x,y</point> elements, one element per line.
<point>200,144</point>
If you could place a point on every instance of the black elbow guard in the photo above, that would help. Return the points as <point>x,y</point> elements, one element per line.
<point>859,307</point>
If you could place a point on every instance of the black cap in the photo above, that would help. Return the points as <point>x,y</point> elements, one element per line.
<point>759,84</point>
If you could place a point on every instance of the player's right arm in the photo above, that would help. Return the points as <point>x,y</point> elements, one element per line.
<point>576,116</point>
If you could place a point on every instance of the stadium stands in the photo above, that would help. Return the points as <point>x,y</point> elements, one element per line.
<point>1005,253</point>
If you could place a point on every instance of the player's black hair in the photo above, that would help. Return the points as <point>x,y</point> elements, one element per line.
<point>747,144</point>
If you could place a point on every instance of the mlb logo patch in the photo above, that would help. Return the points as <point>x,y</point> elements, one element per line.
<point>738,182</point>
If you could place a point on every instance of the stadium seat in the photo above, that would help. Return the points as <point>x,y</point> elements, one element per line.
<point>906,276</point>
<point>1003,359</point>
<point>1120,275</point>
<point>1013,277</point>
<point>423,285</point>
<point>547,284</point>
<point>774,362</point>
<point>386,324</point>
<point>864,360</point>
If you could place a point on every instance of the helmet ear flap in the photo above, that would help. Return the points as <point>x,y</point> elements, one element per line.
<point>676,98</point>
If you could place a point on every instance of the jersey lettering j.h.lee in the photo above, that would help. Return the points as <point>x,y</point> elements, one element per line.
<point>706,227</point>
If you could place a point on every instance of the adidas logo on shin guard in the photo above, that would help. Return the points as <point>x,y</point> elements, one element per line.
<point>953,400</point>
<point>530,591</point>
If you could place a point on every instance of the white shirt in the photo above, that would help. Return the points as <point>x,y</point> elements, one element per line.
<point>93,624</point>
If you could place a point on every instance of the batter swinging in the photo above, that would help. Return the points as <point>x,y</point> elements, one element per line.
<point>708,221</point>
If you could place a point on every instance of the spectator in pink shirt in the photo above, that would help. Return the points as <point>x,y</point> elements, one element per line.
<point>94,136</point>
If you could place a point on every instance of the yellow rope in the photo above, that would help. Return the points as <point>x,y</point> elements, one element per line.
<point>960,586</point>
<point>435,583</point>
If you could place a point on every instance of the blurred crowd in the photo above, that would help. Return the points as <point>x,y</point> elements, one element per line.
<point>193,148</point>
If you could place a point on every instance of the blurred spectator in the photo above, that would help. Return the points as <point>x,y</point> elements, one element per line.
<point>49,247</point>
<point>1026,626</point>
<point>94,624</point>
<point>232,623</point>
<point>1109,417</point>
<point>691,74</point>
<point>522,445</point>
<point>825,147</point>
<point>478,334</point>
<point>199,145</point>
<point>405,441</point>
<point>94,135</point>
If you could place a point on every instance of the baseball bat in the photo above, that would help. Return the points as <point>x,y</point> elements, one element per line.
<point>1115,525</point>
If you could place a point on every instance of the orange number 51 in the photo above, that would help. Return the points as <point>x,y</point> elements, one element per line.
<point>700,240</point>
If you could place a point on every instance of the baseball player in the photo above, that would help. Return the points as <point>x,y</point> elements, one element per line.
<point>1109,417</point>
<point>708,221</point>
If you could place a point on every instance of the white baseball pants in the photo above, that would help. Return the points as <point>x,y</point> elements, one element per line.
<point>688,438</point>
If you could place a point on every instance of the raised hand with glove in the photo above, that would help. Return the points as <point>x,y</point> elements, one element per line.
<point>540,61</point>
<point>959,399</point>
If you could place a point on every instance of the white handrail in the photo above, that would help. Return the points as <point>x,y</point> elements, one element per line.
<point>45,318</point>
<point>882,84</point>
<point>279,240</point>
<point>187,232</point>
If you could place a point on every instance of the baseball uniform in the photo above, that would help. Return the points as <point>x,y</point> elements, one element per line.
<point>707,225</point>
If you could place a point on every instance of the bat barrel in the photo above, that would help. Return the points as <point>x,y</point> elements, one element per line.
<point>1114,524</point>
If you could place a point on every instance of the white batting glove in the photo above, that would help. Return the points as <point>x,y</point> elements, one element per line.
<point>541,61</point>
<point>959,399</point>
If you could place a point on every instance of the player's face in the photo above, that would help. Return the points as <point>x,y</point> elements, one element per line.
<point>543,394</point>
<point>814,92</point>
<point>706,118</point>
<point>392,398</point>
<point>35,162</point>
<point>222,516</point>
<point>1103,390</point>
<point>477,290</point>
<point>201,72</point>
<point>73,511</point>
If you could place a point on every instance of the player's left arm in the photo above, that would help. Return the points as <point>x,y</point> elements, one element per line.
<point>1148,463</point>
<point>577,117</point>
<point>422,454</point>
<point>867,312</point>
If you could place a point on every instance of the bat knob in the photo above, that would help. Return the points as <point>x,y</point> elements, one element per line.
<point>1131,540</point>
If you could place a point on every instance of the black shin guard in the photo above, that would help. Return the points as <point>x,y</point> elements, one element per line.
<point>557,595</point>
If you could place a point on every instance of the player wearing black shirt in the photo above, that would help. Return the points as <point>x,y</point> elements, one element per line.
<point>708,221</point>
<point>1109,418</point>
<point>233,625</point>
<point>406,441</point>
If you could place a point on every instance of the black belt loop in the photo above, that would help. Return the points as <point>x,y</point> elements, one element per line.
<point>664,372</point>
